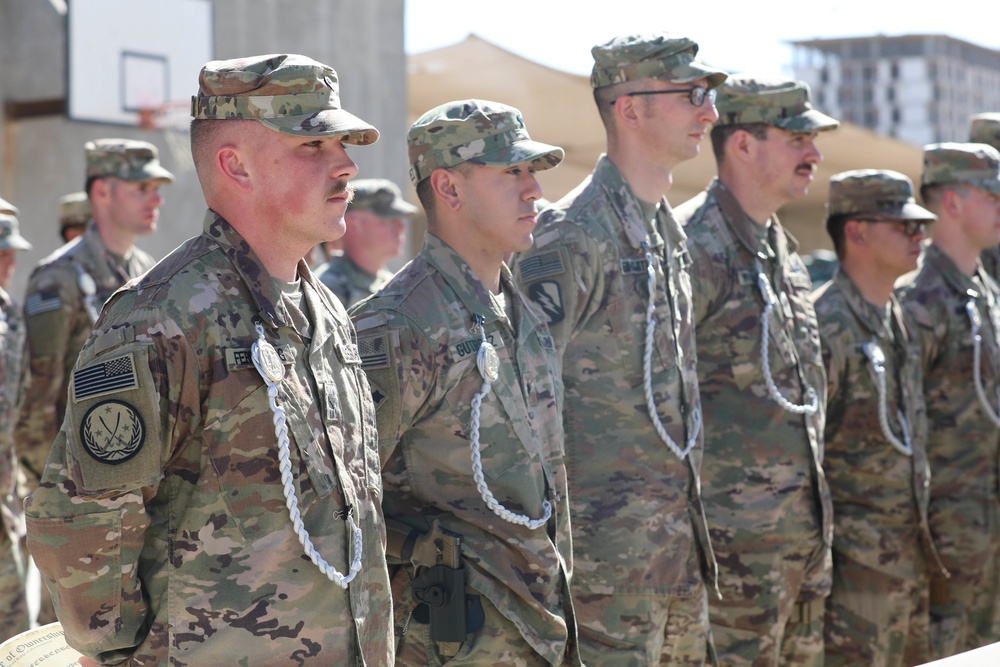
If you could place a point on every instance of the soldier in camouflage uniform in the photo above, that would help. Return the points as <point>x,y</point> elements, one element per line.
<point>767,501</point>
<point>220,433</point>
<point>876,428</point>
<point>984,128</point>
<point>609,269</point>
<point>468,398</point>
<point>374,235</point>
<point>67,289</point>
<point>13,374</point>
<point>74,214</point>
<point>957,310</point>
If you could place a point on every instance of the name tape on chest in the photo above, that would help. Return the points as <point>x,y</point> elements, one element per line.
<point>105,377</point>
<point>470,346</point>
<point>239,358</point>
<point>632,266</point>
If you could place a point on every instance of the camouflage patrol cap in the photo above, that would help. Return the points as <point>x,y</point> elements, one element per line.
<point>975,164</point>
<point>382,197</point>
<point>125,159</point>
<point>74,209</point>
<point>984,128</point>
<point>783,104</point>
<point>631,57</point>
<point>10,236</point>
<point>874,192</point>
<point>288,93</point>
<point>476,131</point>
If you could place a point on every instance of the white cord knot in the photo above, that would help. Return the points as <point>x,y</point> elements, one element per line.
<point>272,370</point>
<point>770,300</point>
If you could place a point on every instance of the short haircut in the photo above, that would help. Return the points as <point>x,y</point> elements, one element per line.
<point>721,133</point>
<point>931,195</point>
<point>605,96</point>
<point>203,132</point>
<point>425,193</point>
<point>835,225</point>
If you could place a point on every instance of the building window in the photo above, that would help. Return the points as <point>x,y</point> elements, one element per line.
<point>894,70</point>
<point>824,75</point>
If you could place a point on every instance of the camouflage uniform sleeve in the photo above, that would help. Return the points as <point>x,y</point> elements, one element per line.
<point>562,275</point>
<point>52,303</point>
<point>133,402</point>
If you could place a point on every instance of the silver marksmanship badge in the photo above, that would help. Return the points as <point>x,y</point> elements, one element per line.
<point>267,361</point>
<point>112,432</point>
<point>488,362</point>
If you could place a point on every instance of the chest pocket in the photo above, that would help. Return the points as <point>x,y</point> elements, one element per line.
<point>349,419</point>
<point>806,329</point>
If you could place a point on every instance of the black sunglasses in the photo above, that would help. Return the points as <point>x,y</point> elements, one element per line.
<point>697,95</point>
<point>910,228</point>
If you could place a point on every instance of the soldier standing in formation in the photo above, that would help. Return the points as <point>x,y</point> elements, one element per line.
<point>219,425</point>
<point>74,214</point>
<point>375,233</point>
<point>67,289</point>
<point>609,269</point>
<point>468,400</point>
<point>876,428</point>
<point>957,310</point>
<point>762,380</point>
<point>984,128</point>
<point>13,375</point>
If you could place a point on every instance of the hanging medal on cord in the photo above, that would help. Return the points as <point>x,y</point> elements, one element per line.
<point>877,359</point>
<point>489,368</point>
<point>269,365</point>
<point>647,370</point>
<point>766,293</point>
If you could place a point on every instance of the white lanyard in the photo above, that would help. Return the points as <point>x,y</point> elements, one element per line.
<point>647,371</point>
<point>977,347</point>
<point>877,359</point>
<point>766,293</point>
<point>489,368</point>
<point>269,365</point>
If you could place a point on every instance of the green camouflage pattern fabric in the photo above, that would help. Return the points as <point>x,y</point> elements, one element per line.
<point>10,234</point>
<point>58,324</point>
<point>382,197</point>
<point>348,281</point>
<point>990,259</point>
<point>13,374</point>
<point>74,209</point>
<point>419,349</point>
<point>874,192</point>
<point>962,447</point>
<point>975,164</point>
<point>638,524</point>
<point>765,493</point>
<point>184,554</point>
<point>124,159</point>
<point>880,496</point>
<point>643,56</point>
<point>288,93</point>
<point>784,104</point>
<point>984,128</point>
<point>474,131</point>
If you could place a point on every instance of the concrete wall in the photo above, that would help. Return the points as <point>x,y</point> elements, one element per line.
<point>41,158</point>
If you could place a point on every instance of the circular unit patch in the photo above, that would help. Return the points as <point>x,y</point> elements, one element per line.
<point>112,432</point>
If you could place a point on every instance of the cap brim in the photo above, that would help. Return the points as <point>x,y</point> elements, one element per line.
<point>400,209</point>
<point>153,172</point>
<point>913,211</point>
<point>808,121</point>
<point>694,71</point>
<point>15,242</point>
<point>542,156</point>
<point>990,185</point>
<point>326,123</point>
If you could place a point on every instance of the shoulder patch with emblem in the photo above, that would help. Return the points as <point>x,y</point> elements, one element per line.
<point>547,295</point>
<point>42,302</point>
<point>543,264</point>
<point>112,431</point>
<point>105,377</point>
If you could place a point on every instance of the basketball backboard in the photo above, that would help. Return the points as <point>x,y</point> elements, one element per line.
<point>129,59</point>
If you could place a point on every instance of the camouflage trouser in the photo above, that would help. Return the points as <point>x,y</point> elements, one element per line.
<point>13,607</point>
<point>875,619</point>
<point>965,609</point>
<point>772,608</point>
<point>629,630</point>
<point>498,642</point>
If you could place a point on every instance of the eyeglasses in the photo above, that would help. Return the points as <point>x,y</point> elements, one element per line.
<point>910,228</point>
<point>696,95</point>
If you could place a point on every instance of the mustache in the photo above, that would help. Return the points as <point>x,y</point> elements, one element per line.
<point>341,187</point>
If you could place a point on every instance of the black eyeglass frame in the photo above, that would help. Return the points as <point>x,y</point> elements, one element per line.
<point>696,94</point>
<point>910,227</point>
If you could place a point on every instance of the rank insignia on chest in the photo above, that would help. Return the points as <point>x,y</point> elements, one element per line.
<point>112,432</point>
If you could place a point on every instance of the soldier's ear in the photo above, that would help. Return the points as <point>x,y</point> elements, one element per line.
<point>445,184</point>
<point>231,166</point>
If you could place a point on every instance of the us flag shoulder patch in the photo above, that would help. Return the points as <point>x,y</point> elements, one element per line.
<point>105,377</point>
<point>543,264</point>
<point>374,351</point>
<point>42,302</point>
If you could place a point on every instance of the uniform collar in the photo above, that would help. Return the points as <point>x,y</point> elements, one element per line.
<point>957,279</point>
<point>870,315</point>
<point>746,230</point>
<point>624,203</point>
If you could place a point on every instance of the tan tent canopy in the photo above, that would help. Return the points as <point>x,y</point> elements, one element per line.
<point>559,109</point>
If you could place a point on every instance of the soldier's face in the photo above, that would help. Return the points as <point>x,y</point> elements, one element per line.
<point>300,184</point>
<point>980,211</point>
<point>893,250</point>
<point>134,207</point>
<point>785,162</point>
<point>673,127</point>
<point>500,206</point>
<point>8,262</point>
<point>379,237</point>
